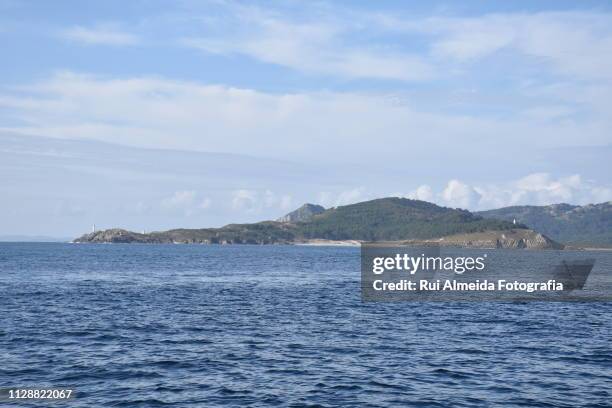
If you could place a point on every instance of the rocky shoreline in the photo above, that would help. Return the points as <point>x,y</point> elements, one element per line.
<point>506,239</point>
<point>390,219</point>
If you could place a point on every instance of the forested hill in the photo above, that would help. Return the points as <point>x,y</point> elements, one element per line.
<point>584,225</point>
<point>395,219</point>
<point>382,219</point>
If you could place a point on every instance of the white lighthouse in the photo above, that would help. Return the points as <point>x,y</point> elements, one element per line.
<point>93,228</point>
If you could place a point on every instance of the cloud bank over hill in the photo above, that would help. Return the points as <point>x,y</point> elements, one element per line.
<point>533,189</point>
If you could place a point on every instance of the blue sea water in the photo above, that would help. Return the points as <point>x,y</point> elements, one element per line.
<point>224,326</point>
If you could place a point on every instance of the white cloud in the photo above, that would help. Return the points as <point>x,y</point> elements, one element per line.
<point>542,188</point>
<point>570,42</point>
<point>186,202</point>
<point>100,35</point>
<point>458,194</point>
<point>179,199</point>
<point>316,46</point>
<point>533,189</point>
<point>256,201</point>
<point>351,196</point>
<point>333,199</point>
<point>340,41</point>
<point>423,193</point>
<point>273,200</point>
<point>244,199</point>
<point>144,111</point>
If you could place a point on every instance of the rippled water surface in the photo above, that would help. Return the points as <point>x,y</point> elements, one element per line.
<point>206,326</point>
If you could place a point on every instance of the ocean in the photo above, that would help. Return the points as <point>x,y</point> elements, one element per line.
<point>232,326</point>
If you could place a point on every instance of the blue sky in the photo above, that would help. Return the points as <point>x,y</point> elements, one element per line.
<point>467,104</point>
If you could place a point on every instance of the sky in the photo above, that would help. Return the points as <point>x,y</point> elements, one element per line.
<point>151,115</point>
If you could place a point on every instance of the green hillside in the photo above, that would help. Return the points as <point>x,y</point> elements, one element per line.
<point>385,219</point>
<point>571,224</point>
<point>395,219</point>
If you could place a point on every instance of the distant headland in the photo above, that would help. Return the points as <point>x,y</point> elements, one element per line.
<point>386,219</point>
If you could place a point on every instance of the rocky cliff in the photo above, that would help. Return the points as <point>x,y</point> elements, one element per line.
<point>511,239</point>
<point>117,235</point>
<point>303,214</point>
<point>267,232</point>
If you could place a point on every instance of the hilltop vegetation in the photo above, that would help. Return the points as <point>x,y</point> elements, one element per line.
<point>571,224</point>
<point>383,219</point>
<point>395,219</point>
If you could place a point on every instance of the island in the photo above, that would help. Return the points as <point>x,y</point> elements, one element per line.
<point>390,219</point>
